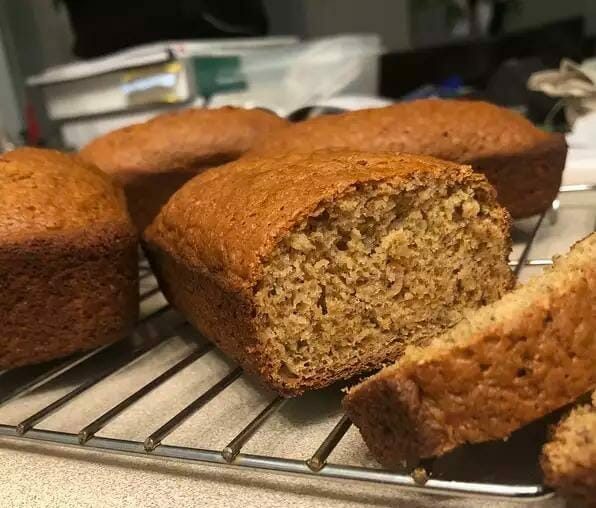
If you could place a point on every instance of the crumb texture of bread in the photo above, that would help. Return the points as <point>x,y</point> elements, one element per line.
<point>524,163</point>
<point>501,367</point>
<point>311,268</point>
<point>569,458</point>
<point>68,258</point>
<point>155,158</point>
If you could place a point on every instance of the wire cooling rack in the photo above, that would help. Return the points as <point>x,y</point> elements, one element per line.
<point>68,385</point>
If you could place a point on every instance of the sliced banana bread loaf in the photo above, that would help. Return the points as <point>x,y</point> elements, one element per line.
<point>569,458</point>
<point>68,258</point>
<point>310,268</point>
<point>524,163</point>
<point>501,367</point>
<point>155,158</point>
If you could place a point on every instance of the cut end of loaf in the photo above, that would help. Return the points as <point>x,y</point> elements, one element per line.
<point>569,458</point>
<point>500,368</point>
<point>380,268</point>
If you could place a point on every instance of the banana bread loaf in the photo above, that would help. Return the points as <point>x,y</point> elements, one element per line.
<point>569,458</point>
<point>155,158</point>
<point>310,268</point>
<point>524,163</point>
<point>505,365</point>
<point>68,258</point>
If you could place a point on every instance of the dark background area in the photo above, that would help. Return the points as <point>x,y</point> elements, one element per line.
<point>422,40</point>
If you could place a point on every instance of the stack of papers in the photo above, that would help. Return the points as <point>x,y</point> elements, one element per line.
<point>153,53</point>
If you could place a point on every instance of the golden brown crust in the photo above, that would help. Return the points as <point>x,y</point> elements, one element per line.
<point>48,192</point>
<point>68,258</point>
<point>505,375</point>
<point>524,163</point>
<point>569,458</point>
<point>229,233</point>
<point>146,193</point>
<point>210,242</point>
<point>183,139</point>
<point>153,159</point>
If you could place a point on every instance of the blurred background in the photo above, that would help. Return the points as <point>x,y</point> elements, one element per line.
<point>73,69</point>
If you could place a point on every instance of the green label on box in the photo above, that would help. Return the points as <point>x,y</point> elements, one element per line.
<point>215,74</point>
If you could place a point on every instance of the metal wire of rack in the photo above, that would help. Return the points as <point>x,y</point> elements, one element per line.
<point>314,466</point>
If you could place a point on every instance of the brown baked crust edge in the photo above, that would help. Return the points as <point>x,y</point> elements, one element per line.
<point>577,477</point>
<point>225,317</point>
<point>181,139</point>
<point>527,183</point>
<point>147,192</point>
<point>67,292</point>
<point>426,408</point>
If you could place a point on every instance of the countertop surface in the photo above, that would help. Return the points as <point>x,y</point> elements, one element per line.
<point>49,475</point>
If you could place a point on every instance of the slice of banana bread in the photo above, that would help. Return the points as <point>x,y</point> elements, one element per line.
<point>311,268</point>
<point>501,367</point>
<point>569,458</point>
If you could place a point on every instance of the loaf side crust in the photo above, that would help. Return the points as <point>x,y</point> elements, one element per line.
<point>181,140</point>
<point>146,193</point>
<point>529,182</point>
<point>569,458</point>
<point>524,163</point>
<point>155,158</point>
<point>225,317</point>
<point>68,258</point>
<point>501,378</point>
<point>61,296</point>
